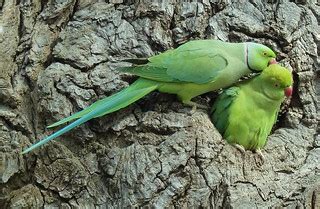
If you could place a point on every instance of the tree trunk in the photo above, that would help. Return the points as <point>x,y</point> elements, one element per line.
<point>58,57</point>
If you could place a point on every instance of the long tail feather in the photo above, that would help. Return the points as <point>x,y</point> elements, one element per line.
<point>110,104</point>
<point>80,113</point>
<point>139,84</point>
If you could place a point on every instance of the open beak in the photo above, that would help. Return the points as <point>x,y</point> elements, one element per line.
<point>288,91</point>
<point>273,61</point>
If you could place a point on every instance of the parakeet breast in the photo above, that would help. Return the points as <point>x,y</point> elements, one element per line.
<point>251,122</point>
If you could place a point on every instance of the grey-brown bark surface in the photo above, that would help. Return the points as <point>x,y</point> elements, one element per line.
<point>57,57</point>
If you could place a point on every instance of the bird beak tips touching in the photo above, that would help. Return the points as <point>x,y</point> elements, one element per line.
<point>273,61</point>
<point>288,91</point>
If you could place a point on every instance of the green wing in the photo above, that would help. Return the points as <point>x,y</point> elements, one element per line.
<point>196,62</point>
<point>221,108</point>
<point>150,72</point>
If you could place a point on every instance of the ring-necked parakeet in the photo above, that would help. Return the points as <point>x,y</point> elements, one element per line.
<point>244,114</point>
<point>194,68</point>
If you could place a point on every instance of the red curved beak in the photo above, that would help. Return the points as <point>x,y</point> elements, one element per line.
<point>273,61</point>
<point>288,91</point>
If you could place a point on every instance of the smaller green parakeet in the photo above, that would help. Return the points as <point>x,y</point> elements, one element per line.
<point>245,113</point>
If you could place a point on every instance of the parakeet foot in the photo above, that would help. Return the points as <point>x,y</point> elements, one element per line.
<point>194,105</point>
<point>240,148</point>
<point>258,151</point>
<point>193,110</point>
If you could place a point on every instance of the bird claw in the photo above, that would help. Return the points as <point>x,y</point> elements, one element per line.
<point>261,156</point>
<point>240,148</point>
<point>200,106</point>
<point>194,106</point>
<point>193,110</point>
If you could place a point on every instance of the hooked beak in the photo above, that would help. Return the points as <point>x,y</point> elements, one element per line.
<point>273,61</point>
<point>288,91</point>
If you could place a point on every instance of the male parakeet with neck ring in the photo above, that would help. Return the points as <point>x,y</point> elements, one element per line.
<point>194,68</point>
<point>245,113</point>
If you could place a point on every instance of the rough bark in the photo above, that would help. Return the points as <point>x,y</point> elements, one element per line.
<point>58,57</point>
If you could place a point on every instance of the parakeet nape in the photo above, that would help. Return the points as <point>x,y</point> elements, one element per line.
<point>245,113</point>
<point>194,68</point>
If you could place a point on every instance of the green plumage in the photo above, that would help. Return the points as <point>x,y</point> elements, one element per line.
<point>192,69</point>
<point>245,114</point>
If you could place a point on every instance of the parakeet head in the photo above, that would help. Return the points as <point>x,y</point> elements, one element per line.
<point>259,56</point>
<point>276,82</point>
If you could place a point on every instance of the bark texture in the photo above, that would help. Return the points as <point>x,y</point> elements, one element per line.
<point>57,57</point>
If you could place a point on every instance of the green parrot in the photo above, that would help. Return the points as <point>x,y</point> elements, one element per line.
<point>245,113</point>
<point>193,68</point>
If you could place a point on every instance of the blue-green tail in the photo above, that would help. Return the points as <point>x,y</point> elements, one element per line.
<point>122,99</point>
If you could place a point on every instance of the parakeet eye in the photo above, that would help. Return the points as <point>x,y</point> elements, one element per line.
<point>265,54</point>
<point>276,85</point>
